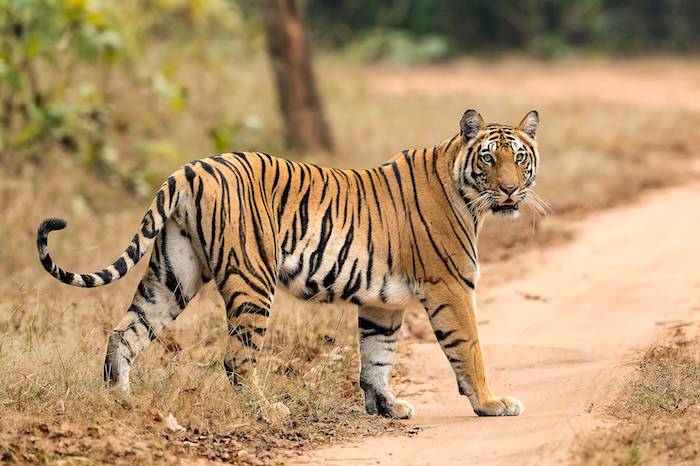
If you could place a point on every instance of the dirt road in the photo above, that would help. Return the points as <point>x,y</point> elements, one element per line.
<point>557,339</point>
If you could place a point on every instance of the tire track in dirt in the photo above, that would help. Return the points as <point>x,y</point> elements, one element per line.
<point>557,338</point>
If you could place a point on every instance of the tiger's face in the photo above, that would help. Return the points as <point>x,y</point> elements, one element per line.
<point>497,169</point>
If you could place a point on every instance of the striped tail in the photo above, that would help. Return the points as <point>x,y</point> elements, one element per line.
<point>159,211</point>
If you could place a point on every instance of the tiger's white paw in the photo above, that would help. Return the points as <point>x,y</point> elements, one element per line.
<point>402,409</point>
<point>500,406</point>
<point>388,406</point>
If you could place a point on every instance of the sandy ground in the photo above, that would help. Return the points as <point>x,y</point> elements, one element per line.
<point>558,339</point>
<point>660,83</point>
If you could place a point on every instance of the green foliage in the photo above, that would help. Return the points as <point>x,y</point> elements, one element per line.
<point>399,47</point>
<point>228,136</point>
<point>547,28</point>
<point>43,101</point>
<point>66,67</point>
<point>173,93</point>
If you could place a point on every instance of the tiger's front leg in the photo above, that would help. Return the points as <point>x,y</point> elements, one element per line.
<point>379,330</point>
<point>451,308</point>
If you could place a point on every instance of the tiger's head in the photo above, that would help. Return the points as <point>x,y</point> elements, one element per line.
<point>497,166</point>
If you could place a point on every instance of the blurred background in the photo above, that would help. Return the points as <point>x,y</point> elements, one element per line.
<point>101,100</point>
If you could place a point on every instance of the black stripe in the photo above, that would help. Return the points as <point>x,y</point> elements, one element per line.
<point>454,343</point>
<point>442,335</point>
<point>316,258</point>
<point>171,190</point>
<point>148,225</point>
<point>438,310</point>
<point>250,308</point>
<point>354,282</point>
<point>105,275</point>
<point>160,200</point>
<point>134,249</point>
<point>244,336</point>
<point>120,266</point>
<point>369,328</point>
<point>146,293</point>
<point>143,320</point>
<point>89,280</point>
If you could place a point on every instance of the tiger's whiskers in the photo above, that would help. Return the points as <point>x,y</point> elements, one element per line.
<point>539,206</point>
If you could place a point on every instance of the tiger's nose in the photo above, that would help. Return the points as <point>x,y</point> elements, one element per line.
<point>509,189</point>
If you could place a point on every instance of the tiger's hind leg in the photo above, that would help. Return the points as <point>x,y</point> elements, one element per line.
<point>379,329</point>
<point>173,278</point>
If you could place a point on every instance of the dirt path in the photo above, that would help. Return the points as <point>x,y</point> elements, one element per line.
<point>557,339</point>
<point>662,83</point>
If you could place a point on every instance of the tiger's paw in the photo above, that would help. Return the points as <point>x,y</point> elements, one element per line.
<point>397,409</point>
<point>500,406</point>
<point>401,409</point>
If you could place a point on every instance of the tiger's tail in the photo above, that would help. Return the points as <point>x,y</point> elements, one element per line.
<point>161,208</point>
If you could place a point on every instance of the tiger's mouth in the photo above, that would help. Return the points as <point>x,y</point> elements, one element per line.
<point>506,208</point>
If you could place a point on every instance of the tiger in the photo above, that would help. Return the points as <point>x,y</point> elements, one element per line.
<point>400,234</point>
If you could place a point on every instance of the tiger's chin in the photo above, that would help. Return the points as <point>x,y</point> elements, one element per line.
<point>507,210</point>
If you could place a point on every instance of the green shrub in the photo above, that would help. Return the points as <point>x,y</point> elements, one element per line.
<point>99,81</point>
<point>398,47</point>
<point>44,101</point>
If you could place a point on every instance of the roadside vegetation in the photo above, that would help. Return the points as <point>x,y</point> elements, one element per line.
<point>656,418</point>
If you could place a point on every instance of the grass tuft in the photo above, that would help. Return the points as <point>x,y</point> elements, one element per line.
<point>656,420</point>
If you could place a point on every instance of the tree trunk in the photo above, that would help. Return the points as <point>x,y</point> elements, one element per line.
<point>287,44</point>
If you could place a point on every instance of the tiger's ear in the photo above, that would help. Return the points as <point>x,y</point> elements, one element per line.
<point>470,124</point>
<point>530,123</point>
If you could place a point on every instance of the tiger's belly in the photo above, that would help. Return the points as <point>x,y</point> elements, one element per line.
<point>346,282</point>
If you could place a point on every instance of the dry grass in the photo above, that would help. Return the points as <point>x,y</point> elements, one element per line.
<point>598,148</point>
<point>656,420</point>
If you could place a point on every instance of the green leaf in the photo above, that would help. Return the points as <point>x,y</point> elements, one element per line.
<point>32,46</point>
<point>14,79</point>
<point>171,92</point>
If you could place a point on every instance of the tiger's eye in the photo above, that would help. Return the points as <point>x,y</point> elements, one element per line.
<point>487,159</point>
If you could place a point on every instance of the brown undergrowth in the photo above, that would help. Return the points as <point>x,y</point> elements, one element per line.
<point>656,419</point>
<point>55,407</point>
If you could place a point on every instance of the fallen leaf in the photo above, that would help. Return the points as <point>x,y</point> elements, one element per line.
<point>171,345</point>
<point>156,415</point>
